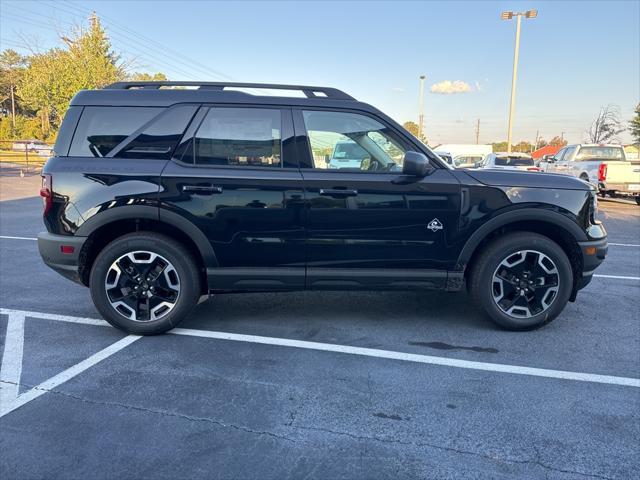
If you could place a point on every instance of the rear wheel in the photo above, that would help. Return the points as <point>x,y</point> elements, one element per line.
<point>144,283</point>
<point>522,280</point>
<point>637,200</point>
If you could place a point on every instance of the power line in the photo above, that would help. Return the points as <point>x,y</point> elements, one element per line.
<point>178,57</point>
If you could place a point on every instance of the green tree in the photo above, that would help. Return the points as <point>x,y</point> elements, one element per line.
<point>54,77</point>
<point>499,146</point>
<point>558,142</point>
<point>414,129</point>
<point>147,77</point>
<point>11,70</point>
<point>634,126</point>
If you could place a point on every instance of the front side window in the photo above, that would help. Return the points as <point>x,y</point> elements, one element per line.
<point>239,137</point>
<point>101,129</point>
<point>341,140</point>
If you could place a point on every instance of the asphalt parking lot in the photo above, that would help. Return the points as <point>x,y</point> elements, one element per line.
<point>316,385</point>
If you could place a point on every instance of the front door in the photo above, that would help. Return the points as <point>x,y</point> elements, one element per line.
<point>235,177</point>
<point>370,226</point>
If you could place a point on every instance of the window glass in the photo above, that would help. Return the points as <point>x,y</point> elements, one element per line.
<point>340,140</point>
<point>514,161</point>
<point>560,154</point>
<point>161,137</point>
<point>240,137</point>
<point>600,153</point>
<point>102,128</point>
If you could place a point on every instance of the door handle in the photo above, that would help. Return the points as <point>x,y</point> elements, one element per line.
<point>337,192</point>
<point>202,189</point>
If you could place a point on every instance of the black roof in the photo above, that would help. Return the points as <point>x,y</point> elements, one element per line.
<point>153,94</point>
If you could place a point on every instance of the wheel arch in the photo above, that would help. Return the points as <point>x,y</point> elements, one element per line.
<point>553,225</point>
<point>105,227</point>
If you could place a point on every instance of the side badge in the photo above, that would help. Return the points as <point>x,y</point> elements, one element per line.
<point>435,225</point>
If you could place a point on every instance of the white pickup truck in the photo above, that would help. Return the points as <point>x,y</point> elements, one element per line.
<point>605,166</point>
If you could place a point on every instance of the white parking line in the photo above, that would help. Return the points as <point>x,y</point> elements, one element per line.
<point>11,368</point>
<point>617,277</point>
<point>68,374</point>
<point>371,352</point>
<point>7,237</point>
<point>624,244</point>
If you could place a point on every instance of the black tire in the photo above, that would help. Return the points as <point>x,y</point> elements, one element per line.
<point>181,261</point>
<point>637,200</point>
<point>482,286</point>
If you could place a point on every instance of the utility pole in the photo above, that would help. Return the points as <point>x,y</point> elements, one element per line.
<point>421,118</point>
<point>514,77</point>
<point>561,138</point>
<point>535,147</point>
<point>477,131</point>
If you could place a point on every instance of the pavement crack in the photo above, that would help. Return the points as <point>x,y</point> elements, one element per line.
<point>535,461</point>
<point>156,411</point>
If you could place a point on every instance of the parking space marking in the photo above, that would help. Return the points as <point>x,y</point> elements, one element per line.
<point>617,277</point>
<point>624,244</point>
<point>369,352</point>
<point>7,237</point>
<point>11,368</point>
<point>68,374</point>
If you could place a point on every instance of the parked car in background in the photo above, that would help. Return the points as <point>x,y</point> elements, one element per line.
<point>604,166</point>
<point>466,155</point>
<point>543,163</point>
<point>32,146</point>
<point>347,154</point>
<point>446,156</point>
<point>509,161</point>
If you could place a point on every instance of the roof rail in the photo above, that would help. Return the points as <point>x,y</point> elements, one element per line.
<point>310,92</point>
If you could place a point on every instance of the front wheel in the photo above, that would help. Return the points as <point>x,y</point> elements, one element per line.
<point>144,283</point>
<point>637,200</point>
<point>522,281</point>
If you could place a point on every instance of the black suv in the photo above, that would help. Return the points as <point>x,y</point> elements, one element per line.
<point>158,194</point>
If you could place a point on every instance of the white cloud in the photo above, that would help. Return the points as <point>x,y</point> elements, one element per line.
<point>449,86</point>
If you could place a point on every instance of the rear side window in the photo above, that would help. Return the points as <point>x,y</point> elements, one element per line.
<point>159,139</point>
<point>102,128</point>
<point>238,137</point>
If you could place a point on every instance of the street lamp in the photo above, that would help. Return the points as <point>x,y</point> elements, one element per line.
<point>509,16</point>
<point>421,117</point>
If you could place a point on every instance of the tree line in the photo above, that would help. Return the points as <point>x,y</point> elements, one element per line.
<point>35,90</point>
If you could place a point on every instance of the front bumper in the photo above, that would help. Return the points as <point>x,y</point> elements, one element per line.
<point>593,254</point>
<point>51,250</point>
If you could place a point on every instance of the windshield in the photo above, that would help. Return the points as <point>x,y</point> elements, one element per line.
<point>608,153</point>
<point>514,162</point>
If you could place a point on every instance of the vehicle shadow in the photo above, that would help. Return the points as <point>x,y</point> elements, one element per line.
<point>361,310</point>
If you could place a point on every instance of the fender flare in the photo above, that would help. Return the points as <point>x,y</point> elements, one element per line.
<point>132,212</point>
<point>513,216</point>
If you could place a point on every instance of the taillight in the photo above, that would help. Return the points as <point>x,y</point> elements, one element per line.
<point>534,169</point>
<point>602,172</point>
<point>46,192</point>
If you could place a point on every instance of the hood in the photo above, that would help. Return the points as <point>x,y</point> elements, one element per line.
<point>516,178</point>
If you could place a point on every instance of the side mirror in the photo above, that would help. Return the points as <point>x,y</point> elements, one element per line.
<point>551,159</point>
<point>415,164</point>
<point>327,160</point>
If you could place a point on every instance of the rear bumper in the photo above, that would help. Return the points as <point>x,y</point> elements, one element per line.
<point>51,251</point>
<point>624,188</point>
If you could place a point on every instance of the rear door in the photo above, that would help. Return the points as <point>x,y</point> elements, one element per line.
<point>371,226</point>
<point>235,175</point>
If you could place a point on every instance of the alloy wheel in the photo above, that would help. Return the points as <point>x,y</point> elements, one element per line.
<point>142,286</point>
<point>525,284</point>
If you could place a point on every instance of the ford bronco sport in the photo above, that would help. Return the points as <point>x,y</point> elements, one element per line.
<point>157,195</point>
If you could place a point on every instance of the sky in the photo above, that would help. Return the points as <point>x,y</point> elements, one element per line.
<point>575,57</point>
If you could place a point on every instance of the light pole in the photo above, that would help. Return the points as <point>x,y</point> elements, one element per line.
<point>421,118</point>
<point>514,78</point>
